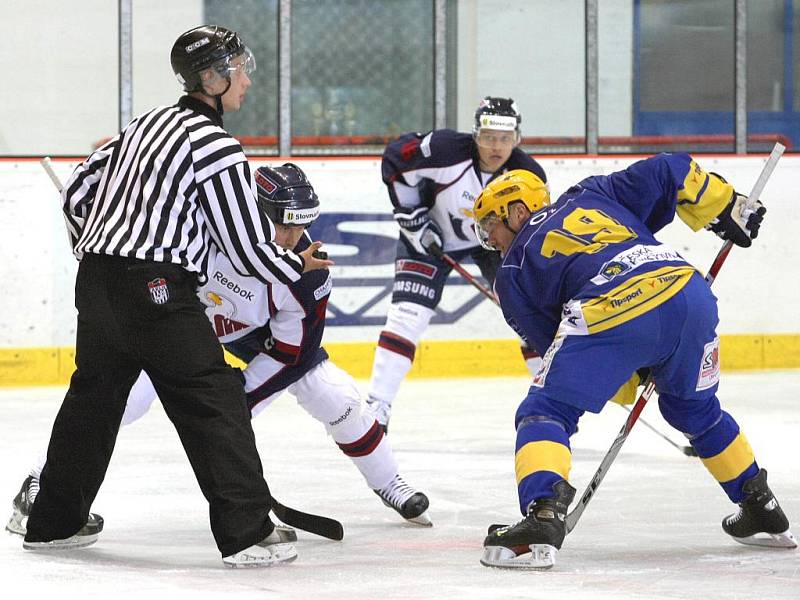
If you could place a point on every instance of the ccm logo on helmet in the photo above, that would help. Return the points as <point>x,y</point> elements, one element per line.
<point>197,44</point>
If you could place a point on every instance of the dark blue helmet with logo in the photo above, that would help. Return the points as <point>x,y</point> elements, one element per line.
<point>286,196</point>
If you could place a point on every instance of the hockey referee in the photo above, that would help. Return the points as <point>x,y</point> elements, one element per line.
<point>145,213</point>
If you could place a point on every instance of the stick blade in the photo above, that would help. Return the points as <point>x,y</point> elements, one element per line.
<point>316,524</point>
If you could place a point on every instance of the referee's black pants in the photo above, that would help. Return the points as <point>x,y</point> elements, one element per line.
<point>122,329</point>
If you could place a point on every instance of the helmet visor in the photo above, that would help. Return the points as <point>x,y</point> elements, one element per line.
<point>485,227</point>
<point>493,138</point>
<point>244,62</point>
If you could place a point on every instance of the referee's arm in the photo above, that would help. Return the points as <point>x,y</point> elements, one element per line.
<point>79,192</point>
<point>241,231</point>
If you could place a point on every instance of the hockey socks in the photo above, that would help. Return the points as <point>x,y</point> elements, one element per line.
<point>727,455</point>
<point>542,458</point>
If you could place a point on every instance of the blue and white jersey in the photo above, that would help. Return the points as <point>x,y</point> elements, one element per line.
<point>590,261</point>
<point>440,170</point>
<point>275,328</point>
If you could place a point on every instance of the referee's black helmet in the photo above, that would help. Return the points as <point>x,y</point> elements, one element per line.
<point>206,47</point>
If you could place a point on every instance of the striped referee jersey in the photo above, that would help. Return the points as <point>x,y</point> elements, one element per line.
<point>174,187</point>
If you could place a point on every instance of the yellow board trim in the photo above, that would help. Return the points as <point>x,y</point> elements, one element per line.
<point>434,359</point>
<point>731,462</point>
<point>543,455</point>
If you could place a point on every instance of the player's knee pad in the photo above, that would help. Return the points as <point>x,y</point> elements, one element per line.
<point>408,320</point>
<point>405,324</point>
<point>538,407</point>
<point>691,416</point>
<point>330,395</point>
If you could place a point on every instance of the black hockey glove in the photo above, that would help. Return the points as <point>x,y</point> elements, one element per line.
<point>418,229</point>
<point>738,222</point>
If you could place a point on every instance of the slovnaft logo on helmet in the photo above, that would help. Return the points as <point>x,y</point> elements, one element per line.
<point>499,122</point>
<point>198,44</point>
<point>300,216</point>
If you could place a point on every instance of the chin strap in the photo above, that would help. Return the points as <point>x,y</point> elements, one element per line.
<point>217,97</point>
<point>505,222</point>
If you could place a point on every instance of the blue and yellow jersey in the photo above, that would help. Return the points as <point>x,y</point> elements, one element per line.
<point>590,260</point>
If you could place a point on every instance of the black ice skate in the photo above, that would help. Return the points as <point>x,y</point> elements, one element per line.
<point>273,549</point>
<point>533,542</point>
<point>409,503</point>
<point>23,501</point>
<point>760,520</point>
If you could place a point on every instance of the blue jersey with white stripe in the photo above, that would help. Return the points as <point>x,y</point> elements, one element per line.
<point>590,261</point>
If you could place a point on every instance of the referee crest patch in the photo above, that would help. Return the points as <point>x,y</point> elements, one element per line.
<point>159,292</point>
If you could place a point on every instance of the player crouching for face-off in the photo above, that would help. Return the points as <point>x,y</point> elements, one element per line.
<point>277,330</point>
<point>585,281</point>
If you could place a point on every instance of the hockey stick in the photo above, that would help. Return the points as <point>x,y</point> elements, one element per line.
<point>316,524</point>
<point>48,168</point>
<point>437,251</point>
<point>605,464</point>
<point>322,526</point>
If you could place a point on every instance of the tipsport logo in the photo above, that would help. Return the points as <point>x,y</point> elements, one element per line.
<point>355,295</point>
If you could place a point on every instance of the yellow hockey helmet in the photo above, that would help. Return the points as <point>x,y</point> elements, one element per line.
<point>494,201</point>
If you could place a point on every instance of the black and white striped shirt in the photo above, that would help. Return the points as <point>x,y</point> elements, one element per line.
<point>174,187</point>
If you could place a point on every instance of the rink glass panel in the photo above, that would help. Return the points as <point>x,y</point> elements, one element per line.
<point>257,23</point>
<point>361,68</point>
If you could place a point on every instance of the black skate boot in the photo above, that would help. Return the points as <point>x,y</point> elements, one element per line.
<point>760,520</point>
<point>23,501</point>
<point>533,542</point>
<point>409,503</point>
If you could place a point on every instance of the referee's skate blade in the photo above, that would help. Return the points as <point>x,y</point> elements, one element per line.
<point>70,543</point>
<point>540,558</point>
<point>261,556</point>
<point>769,540</point>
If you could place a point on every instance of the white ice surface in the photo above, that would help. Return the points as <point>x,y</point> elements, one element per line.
<point>651,532</point>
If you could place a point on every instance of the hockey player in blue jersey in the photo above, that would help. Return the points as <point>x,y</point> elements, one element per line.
<point>585,281</point>
<point>433,179</point>
<point>277,331</point>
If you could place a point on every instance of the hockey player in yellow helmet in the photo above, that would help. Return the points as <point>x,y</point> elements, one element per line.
<point>588,285</point>
<point>518,191</point>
